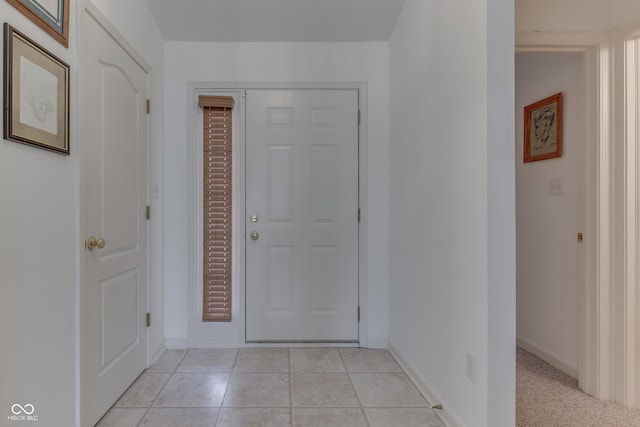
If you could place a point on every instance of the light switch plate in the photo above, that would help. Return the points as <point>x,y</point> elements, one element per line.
<point>556,186</point>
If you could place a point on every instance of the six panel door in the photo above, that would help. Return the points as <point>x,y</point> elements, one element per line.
<point>302,216</point>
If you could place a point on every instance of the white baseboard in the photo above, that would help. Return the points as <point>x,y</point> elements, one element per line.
<point>155,354</point>
<point>547,356</point>
<point>448,418</point>
<point>176,343</point>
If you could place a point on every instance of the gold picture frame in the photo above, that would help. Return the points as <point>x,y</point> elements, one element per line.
<point>51,15</point>
<point>36,94</point>
<point>543,129</point>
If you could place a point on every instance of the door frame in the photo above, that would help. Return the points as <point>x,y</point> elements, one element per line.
<point>595,275</point>
<point>233,333</point>
<point>90,11</point>
<point>626,42</point>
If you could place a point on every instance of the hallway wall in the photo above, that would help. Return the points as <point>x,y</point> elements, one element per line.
<point>547,225</point>
<point>452,205</point>
<point>39,269</point>
<point>272,62</point>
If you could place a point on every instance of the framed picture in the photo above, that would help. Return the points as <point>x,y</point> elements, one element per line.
<point>36,94</point>
<point>543,129</point>
<point>50,15</point>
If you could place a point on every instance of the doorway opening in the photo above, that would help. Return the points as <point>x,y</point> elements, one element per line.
<point>595,270</point>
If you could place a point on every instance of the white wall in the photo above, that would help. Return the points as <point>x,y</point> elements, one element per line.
<point>40,240</point>
<point>39,263</point>
<point>501,294</point>
<point>272,62</point>
<point>574,15</point>
<point>450,90</point>
<point>547,250</point>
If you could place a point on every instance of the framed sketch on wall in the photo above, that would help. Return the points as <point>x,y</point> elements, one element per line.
<point>543,129</point>
<point>36,94</point>
<point>50,15</point>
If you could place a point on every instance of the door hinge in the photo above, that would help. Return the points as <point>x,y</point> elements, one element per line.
<point>359,215</point>
<point>148,320</point>
<point>359,117</point>
<point>148,214</point>
<point>579,237</point>
<point>148,106</point>
<point>358,313</point>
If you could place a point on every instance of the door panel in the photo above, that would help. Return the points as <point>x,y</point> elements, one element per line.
<point>114,195</point>
<point>302,182</point>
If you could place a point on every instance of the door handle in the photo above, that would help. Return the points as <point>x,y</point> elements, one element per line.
<point>92,243</point>
<point>255,235</point>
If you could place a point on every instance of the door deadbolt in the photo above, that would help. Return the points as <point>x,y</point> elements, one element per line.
<point>254,218</point>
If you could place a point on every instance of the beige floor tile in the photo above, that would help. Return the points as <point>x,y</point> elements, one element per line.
<point>387,390</point>
<point>323,390</point>
<point>325,417</point>
<point>143,391</point>
<point>180,417</point>
<point>255,417</point>
<point>273,387</point>
<point>263,360</point>
<point>316,360</point>
<point>258,390</point>
<point>405,417</point>
<point>168,362</point>
<point>122,417</point>
<point>193,390</point>
<point>208,360</point>
<point>369,360</point>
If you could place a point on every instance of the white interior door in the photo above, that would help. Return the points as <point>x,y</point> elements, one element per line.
<point>302,205</point>
<point>114,159</point>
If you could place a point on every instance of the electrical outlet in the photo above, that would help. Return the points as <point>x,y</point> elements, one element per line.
<point>471,367</point>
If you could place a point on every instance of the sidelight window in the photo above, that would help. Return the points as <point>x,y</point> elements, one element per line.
<point>217,205</point>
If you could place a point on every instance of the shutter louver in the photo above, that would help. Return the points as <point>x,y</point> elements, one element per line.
<point>217,204</point>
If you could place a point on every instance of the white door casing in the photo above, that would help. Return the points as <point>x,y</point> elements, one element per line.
<point>302,186</point>
<point>114,197</point>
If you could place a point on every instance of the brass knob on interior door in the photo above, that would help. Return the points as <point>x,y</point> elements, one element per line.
<point>92,243</point>
<point>255,235</point>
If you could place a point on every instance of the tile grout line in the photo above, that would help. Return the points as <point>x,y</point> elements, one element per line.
<point>226,390</point>
<point>290,388</point>
<point>163,386</point>
<point>346,369</point>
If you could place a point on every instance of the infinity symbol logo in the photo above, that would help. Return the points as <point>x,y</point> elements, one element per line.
<point>18,409</point>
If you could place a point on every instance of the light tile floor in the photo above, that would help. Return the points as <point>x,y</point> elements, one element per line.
<point>272,387</point>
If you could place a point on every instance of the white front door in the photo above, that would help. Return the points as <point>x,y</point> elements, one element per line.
<point>302,215</point>
<point>114,194</point>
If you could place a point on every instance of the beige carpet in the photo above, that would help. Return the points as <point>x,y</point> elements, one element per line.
<point>546,396</point>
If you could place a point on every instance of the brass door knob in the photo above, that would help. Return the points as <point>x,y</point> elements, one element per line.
<point>255,235</point>
<point>92,243</point>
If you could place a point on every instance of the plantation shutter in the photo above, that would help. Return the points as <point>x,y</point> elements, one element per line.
<point>217,204</point>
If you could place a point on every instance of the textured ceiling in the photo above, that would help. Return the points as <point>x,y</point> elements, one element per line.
<point>276,20</point>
